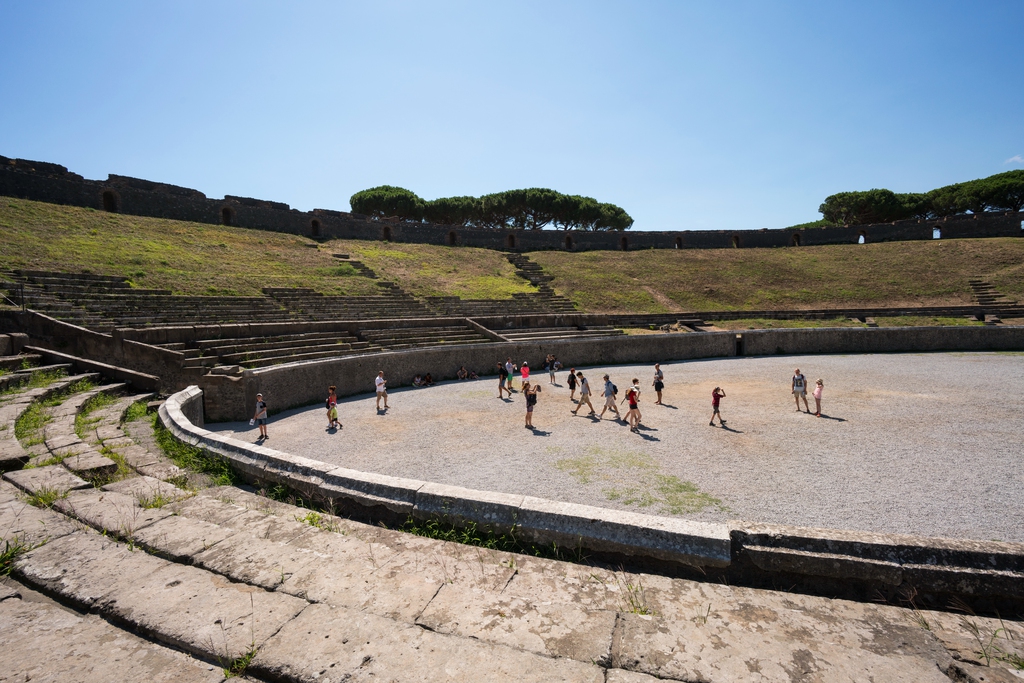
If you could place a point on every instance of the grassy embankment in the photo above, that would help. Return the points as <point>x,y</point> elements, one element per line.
<point>870,275</point>
<point>196,258</point>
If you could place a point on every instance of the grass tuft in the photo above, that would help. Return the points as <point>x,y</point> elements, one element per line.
<point>136,411</point>
<point>45,497</point>
<point>192,458</point>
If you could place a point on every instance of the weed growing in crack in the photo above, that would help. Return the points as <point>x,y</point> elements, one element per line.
<point>634,596</point>
<point>154,500</point>
<point>319,521</point>
<point>136,411</point>
<point>13,549</point>
<point>46,497</point>
<point>444,529</point>
<point>702,615</point>
<point>236,666</point>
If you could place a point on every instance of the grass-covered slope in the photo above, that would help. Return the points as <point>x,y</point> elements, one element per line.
<point>196,258</point>
<point>883,274</point>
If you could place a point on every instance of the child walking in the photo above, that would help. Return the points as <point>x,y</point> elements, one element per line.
<point>716,397</point>
<point>261,416</point>
<point>818,387</point>
<point>332,407</point>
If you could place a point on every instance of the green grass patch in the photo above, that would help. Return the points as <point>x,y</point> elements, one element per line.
<point>136,411</point>
<point>192,458</point>
<point>774,324</point>
<point>874,275</point>
<point>82,420</point>
<point>37,380</point>
<point>45,497</point>
<point>29,427</point>
<point>634,478</point>
<point>925,321</point>
<point>13,549</point>
<point>470,533</point>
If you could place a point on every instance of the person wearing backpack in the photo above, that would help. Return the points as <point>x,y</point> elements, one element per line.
<point>610,394</point>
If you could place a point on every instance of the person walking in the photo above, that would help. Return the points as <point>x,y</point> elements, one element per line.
<point>530,392</point>
<point>382,389</point>
<point>800,390</point>
<point>584,394</point>
<point>610,391</point>
<point>510,373</point>
<point>332,407</point>
<point>571,381</point>
<point>633,415</point>
<point>260,416</point>
<point>501,381</point>
<point>819,386</point>
<point>659,382</point>
<point>716,399</point>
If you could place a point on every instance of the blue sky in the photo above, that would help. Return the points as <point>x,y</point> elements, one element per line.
<point>712,115</point>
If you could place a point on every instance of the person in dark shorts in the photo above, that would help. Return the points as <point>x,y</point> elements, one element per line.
<point>530,392</point>
<point>659,382</point>
<point>633,415</point>
<point>502,376</point>
<point>571,381</point>
<point>261,416</point>
<point>716,398</point>
<point>584,394</point>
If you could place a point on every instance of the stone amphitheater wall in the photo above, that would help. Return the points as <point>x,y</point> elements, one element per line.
<point>53,183</point>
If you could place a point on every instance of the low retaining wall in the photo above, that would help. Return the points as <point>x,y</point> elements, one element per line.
<point>298,384</point>
<point>986,576</point>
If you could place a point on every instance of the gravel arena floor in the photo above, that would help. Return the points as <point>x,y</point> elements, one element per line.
<point>925,444</point>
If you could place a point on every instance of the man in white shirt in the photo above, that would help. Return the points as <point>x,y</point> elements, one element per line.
<point>382,391</point>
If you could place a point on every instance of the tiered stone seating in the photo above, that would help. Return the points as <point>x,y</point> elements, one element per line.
<point>533,303</point>
<point>539,333</point>
<point>258,352</point>
<point>308,304</point>
<point>409,337</point>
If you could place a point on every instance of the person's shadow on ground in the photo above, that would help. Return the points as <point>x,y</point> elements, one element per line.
<point>382,411</point>
<point>830,417</point>
<point>539,432</point>
<point>730,429</point>
<point>667,405</point>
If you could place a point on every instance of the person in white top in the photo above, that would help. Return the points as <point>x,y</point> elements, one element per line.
<point>800,390</point>
<point>382,391</point>
<point>659,382</point>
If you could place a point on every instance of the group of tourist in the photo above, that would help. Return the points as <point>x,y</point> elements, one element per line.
<point>574,380</point>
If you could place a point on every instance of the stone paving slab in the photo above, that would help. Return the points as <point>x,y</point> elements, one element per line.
<point>328,644</point>
<point>51,477</point>
<point>117,513</point>
<point>180,538</point>
<point>189,608</point>
<point>248,559</point>
<point>555,630</point>
<point>31,525</point>
<point>257,523</point>
<point>90,464</point>
<point>148,488</point>
<point>43,642</point>
<point>138,457</point>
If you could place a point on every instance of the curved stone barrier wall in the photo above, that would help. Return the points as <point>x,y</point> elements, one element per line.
<point>986,575</point>
<point>543,521</point>
<point>304,383</point>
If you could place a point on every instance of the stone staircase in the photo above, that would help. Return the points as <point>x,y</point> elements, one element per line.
<point>183,584</point>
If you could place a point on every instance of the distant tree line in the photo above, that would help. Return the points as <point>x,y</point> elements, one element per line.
<point>1000,192</point>
<point>530,209</point>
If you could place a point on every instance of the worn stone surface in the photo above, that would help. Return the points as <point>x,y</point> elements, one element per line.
<point>180,538</point>
<point>31,525</point>
<point>51,477</point>
<point>330,644</point>
<point>708,632</point>
<point>43,642</point>
<point>243,557</point>
<point>115,512</point>
<point>90,464</point>
<point>148,488</point>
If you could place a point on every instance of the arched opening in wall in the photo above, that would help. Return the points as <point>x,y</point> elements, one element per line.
<point>510,241</point>
<point>227,215</point>
<point>735,241</point>
<point>862,238</point>
<point>624,243</point>
<point>568,242</point>
<point>385,233</point>
<point>314,227</point>
<point>453,239</point>
<point>794,240</point>
<point>110,201</point>
<point>679,243</point>
<point>936,232</point>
